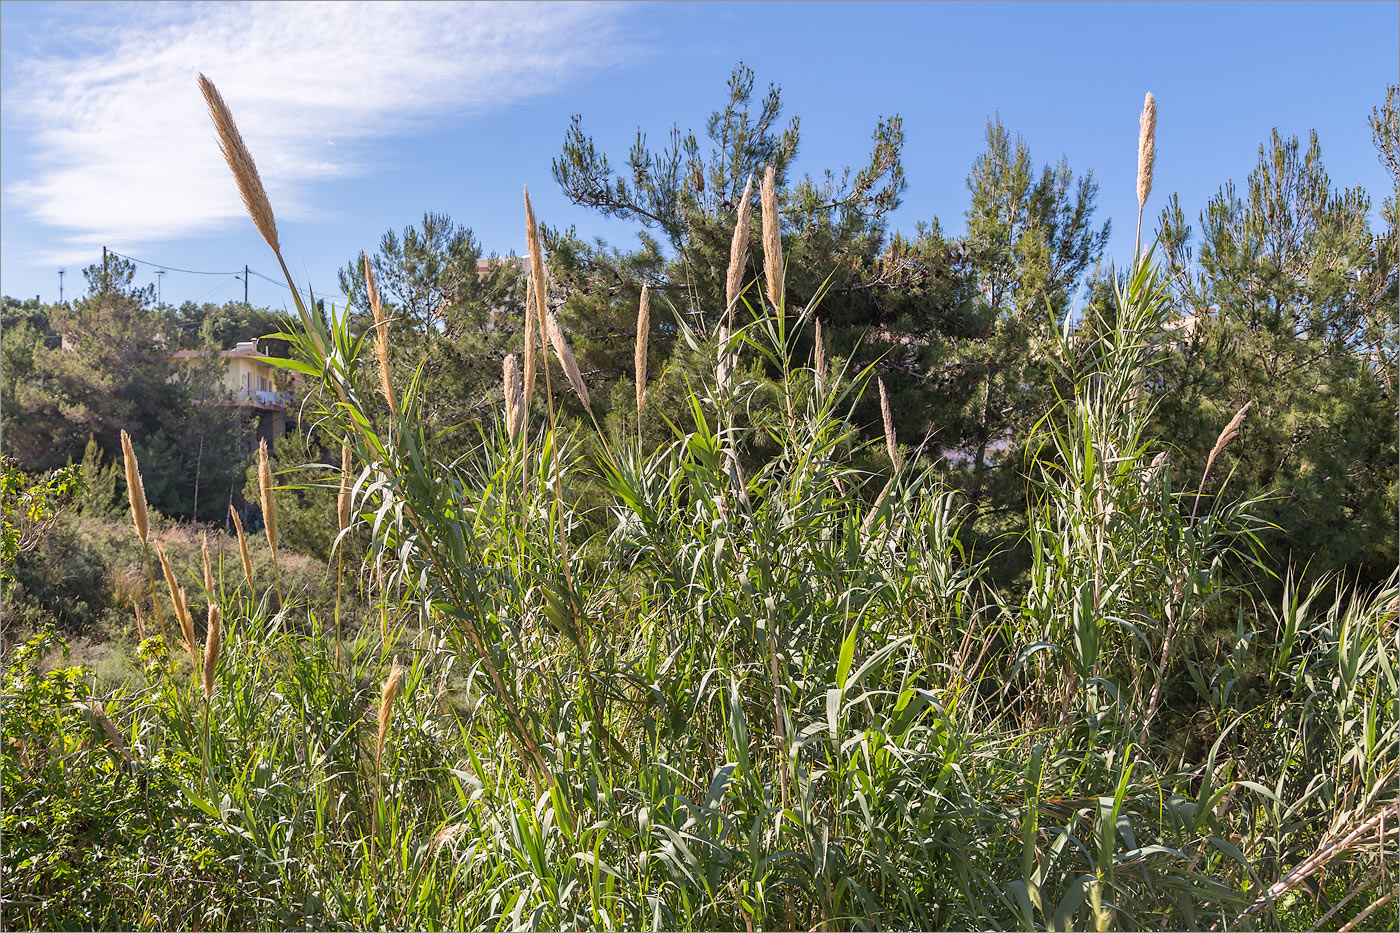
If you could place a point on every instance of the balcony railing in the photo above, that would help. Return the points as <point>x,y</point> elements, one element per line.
<point>264,398</point>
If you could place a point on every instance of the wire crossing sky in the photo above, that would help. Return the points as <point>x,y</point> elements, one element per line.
<point>453,107</point>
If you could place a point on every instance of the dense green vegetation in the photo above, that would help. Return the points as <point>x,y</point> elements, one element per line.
<point>727,654</point>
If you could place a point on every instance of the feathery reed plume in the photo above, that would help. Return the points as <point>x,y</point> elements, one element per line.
<point>1147,158</point>
<point>531,328</point>
<point>537,270</point>
<point>342,500</point>
<point>640,354</point>
<point>446,836</point>
<point>890,443</point>
<point>269,502</point>
<point>386,707</point>
<point>772,237</point>
<point>381,338</point>
<point>182,609</point>
<point>95,709</point>
<point>240,162</point>
<point>213,644</point>
<point>135,490</point>
<point>871,515</point>
<point>738,251</point>
<point>208,568</point>
<point>821,356</point>
<point>140,622</point>
<point>242,546</point>
<point>1226,436</point>
<point>566,358</point>
<point>515,396</point>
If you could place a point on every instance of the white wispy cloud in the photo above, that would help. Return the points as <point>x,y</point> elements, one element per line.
<point>122,148</point>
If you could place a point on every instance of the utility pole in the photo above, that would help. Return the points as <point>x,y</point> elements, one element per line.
<point>245,284</point>
<point>60,285</point>
<point>160,277</point>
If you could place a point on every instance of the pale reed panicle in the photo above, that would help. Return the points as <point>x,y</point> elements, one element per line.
<point>772,237</point>
<point>738,251</point>
<point>514,396</point>
<point>381,338</point>
<point>135,490</point>
<point>342,500</point>
<point>140,621</point>
<point>1227,434</point>
<point>268,500</point>
<point>208,567</point>
<point>820,354</point>
<point>95,709</point>
<point>890,443</point>
<point>242,546</point>
<point>1147,160</point>
<point>566,358</point>
<point>640,350</point>
<point>386,707</point>
<point>531,341</point>
<point>213,644</point>
<point>240,162</point>
<point>538,278</point>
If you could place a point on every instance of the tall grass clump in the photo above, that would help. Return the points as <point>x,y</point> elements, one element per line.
<point>630,686</point>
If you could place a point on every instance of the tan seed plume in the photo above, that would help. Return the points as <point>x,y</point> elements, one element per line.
<point>213,644</point>
<point>140,621</point>
<point>566,358</point>
<point>890,443</point>
<point>95,709</point>
<point>242,546</point>
<point>821,356</point>
<point>135,489</point>
<point>208,568</point>
<point>182,609</point>
<point>1226,436</point>
<point>1147,160</point>
<point>514,394</point>
<point>538,279</point>
<point>772,237</point>
<point>240,162</point>
<point>532,326</point>
<point>874,512</point>
<point>738,251</point>
<point>342,500</point>
<point>381,337</point>
<point>386,707</point>
<point>269,502</point>
<point>446,836</point>
<point>640,354</point>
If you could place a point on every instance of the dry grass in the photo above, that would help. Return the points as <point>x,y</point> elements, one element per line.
<point>640,351</point>
<point>738,251</point>
<point>772,237</point>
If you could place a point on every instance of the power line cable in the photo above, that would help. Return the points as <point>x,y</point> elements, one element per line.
<point>158,265</point>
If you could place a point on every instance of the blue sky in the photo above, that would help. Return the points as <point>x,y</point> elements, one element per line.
<point>362,117</point>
